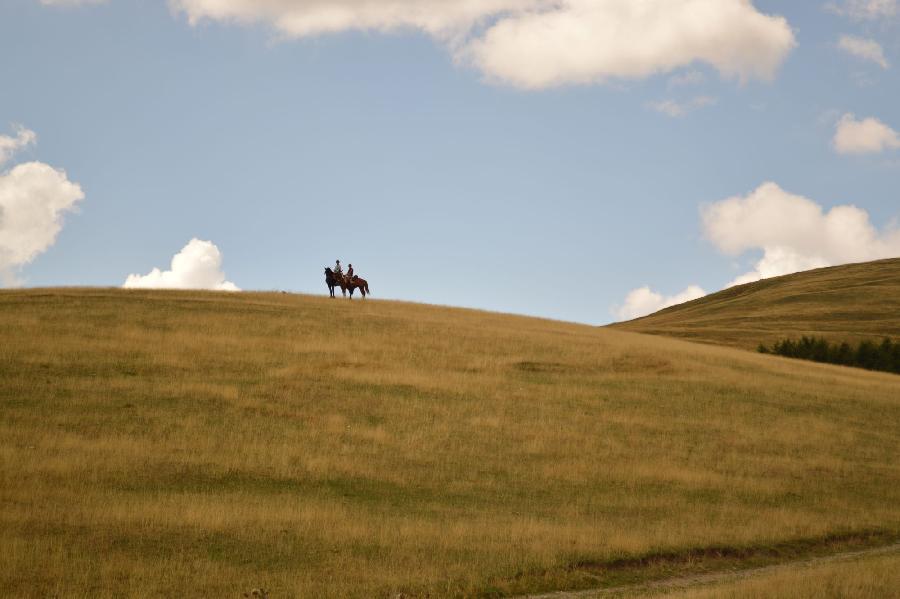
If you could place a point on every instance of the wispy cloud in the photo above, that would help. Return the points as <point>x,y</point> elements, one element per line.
<point>9,145</point>
<point>864,48</point>
<point>685,79</point>
<point>674,108</point>
<point>861,10</point>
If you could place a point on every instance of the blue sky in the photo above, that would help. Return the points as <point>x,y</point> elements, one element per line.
<point>441,181</point>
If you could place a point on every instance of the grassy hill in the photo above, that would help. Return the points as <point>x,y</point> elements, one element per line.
<point>841,303</point>
<point>203,444</point>
<point>876,577</point>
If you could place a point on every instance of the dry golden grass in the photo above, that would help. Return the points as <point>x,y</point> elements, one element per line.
<point>842,303</point>
<point>156,443</point>
<point>870,578</point>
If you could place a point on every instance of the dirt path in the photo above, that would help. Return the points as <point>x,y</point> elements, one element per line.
<point>686,582</point>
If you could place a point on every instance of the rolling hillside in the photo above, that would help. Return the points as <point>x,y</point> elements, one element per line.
<point>157,443</point>
<point>842,303</point>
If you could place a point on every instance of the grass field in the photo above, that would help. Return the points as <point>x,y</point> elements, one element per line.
<point>842,303</point>
<point>875,578</point>
<point>204,444</point>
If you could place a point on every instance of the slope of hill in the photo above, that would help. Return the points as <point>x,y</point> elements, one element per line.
<point>841,303</point>
<point>204,444</point>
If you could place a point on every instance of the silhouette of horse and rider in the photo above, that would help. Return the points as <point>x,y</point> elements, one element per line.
<point>347,282</point>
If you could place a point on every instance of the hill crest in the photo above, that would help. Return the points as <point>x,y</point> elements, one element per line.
<point>840,303</point>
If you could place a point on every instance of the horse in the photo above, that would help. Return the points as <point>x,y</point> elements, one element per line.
<point>334,280</point>
<point>358,283</point>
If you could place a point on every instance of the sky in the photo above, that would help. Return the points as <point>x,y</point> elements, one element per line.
<point>583,160</point>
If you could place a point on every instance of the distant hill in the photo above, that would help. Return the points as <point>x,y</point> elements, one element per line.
<point>849,302</point>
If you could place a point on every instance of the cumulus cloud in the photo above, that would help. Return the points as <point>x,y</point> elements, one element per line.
<point>33,199</point>
<point>10,145</point>
<point>861,10</point>
<point>868,136</point>
<point>794,233</point>
<point>675,109</point>
<point>643,301</point>
<point>864,48</point>
<point>590,41</point>
<point>544,43</point>
<point>197,266</point>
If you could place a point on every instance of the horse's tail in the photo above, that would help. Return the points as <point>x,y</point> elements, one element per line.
<point>367,288</point>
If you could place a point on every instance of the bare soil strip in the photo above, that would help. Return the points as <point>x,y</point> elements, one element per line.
<point>685,582</point>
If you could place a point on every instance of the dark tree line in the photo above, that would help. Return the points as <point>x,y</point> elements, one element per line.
<point>870,355</point>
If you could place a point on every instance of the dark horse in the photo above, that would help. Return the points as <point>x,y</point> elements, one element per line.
<point>358,283</point>
<point>334,280</point>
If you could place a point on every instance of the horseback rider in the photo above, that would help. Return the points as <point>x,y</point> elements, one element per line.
<point>337,268</point>
<point>350,271</point>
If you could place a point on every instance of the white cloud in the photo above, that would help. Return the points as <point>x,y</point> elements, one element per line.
<point>197,266</point>
<point>864,48</point>
<point>794,233</point>
<point>302,18</point>
<point>544,43</point>
<point>866,9</point>
<point>868,136</point>
<point>590,41</point>
<point>674,108</point>
<point>643,301</point>
<point>33,199</point>
<point>10,145</point>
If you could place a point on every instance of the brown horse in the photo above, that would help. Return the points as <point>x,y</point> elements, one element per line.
<point>335,280</point>
<point>358,283</point>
